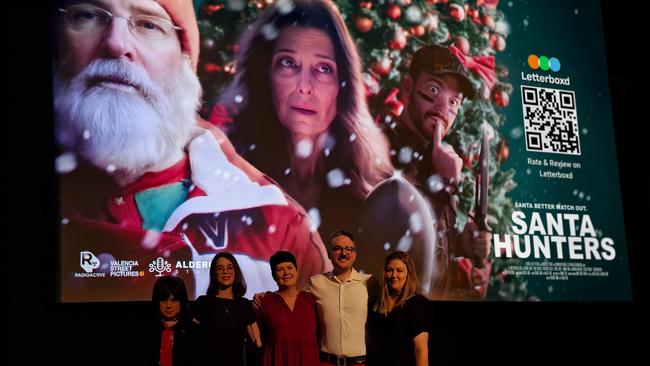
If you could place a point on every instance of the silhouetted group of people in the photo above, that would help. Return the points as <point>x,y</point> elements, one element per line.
<point>342,317</point>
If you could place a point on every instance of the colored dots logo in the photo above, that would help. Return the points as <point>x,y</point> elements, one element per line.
<point>544,63</point>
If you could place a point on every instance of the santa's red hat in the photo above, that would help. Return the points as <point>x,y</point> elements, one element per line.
<point>182,14</point>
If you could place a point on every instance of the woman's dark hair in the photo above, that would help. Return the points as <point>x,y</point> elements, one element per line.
<point>167,286</point>
<point>281,256</point>
<point>238,285</point>
<point>357,146</point>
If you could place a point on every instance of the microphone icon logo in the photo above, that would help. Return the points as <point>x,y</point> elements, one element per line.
<point>160,265</point>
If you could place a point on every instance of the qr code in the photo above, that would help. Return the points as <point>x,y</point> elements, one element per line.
<point>550,120</point>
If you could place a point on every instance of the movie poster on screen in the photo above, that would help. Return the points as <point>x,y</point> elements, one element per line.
<point>539,168</point>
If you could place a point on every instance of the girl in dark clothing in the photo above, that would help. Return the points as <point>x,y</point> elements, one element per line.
<point>173,332</point>
<point>226,318</point>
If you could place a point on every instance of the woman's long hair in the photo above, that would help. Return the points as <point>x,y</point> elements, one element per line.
<point>238,285</point>
<point>410,286</point>
<point>355,144</point>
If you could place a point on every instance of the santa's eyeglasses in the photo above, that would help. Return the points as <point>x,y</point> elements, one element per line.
<point>89,18</point>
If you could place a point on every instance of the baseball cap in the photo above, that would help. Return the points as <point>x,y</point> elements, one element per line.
<point>438,60</point>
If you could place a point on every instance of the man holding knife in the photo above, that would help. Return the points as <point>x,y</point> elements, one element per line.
<point>433,92</point>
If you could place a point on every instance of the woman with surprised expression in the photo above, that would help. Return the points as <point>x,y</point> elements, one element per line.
<point>303,117</point>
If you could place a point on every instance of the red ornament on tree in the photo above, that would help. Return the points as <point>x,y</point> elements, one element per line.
<point>488,21</point>
<point>417,30</point>
<point>473,14</point>
<point>399,39</point>
<point>462,43</point>
<point>394,12</point>
<point>366,4</point>
<point>490,4</point>
<point>500,97</point>
<point>503,151</point>
<point>497,42</point>
<point>213,8</point>
<point>430,22</point>
<point>363,24</point>
<point>456,12</point>
<point>211,67</point>
<point>382,66</point>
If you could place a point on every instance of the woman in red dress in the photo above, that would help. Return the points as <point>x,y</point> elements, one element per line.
<point>288,319</point>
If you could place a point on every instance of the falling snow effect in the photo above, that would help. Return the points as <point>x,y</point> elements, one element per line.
<point>502,28</point>
<point>252,147</point>
<point>516,133</point>
<point>110,168</point>
<point>335,178</point>
<point>414,14</point>
<point>236,5</point>
<point>151,239</point>
<point>343,84</point>
<point>287,171</point>
<point>272,229</point>
<point>314,218</point>
<point>270,32</point>
<point>65,163</point>
<point>86,135</point>
<point>247,220</point>
<point>405,155</point>
<point>415,222</point>
<point>387,246</point>
<point>238,98</point>
<point>489,130</point>
<point>285,6</point>
<point>405,243</point>
<point>585,131</point>
<point>184,226</point>
<point>435,184</point>
<point>353,137</point>
<point>65,221</point>
<point>304,148</point>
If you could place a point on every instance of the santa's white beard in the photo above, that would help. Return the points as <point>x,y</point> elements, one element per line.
<point>126,132</point>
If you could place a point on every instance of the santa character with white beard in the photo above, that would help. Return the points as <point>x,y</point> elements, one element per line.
<point>142,178</point>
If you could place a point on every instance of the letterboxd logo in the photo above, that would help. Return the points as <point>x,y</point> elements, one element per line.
<point>544,63</point>
<point>88,261</point>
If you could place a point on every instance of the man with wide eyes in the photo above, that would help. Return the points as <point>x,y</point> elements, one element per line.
<point>433,91</point>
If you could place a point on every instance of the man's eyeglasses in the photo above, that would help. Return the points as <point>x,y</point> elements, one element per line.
<point>89,18</point>
<point>339,249</point>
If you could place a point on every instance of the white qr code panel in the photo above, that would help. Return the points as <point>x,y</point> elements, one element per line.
<point>550,120</point>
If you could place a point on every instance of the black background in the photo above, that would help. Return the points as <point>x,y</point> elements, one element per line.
<point>42,330</point>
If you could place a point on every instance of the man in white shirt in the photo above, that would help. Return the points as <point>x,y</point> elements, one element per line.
<point>342,298</point>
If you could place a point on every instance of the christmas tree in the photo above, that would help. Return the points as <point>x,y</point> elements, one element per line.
<point>387,33</point>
